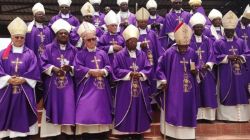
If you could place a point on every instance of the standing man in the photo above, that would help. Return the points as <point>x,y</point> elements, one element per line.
<point>132,104</point>
<point>93,94</point>
<point>39,35</point>
<point>18,76</point>
<point>197,7</point>
<point>98,15</point>
<point>59,98</point>
<point>202,45</point>
<point>175,16</point>
<point>125,17</point>
<point>155,21</point>
<point>176,75</point>
<point>64,13</point>
<point>231,52</point>
<point>216,30</point>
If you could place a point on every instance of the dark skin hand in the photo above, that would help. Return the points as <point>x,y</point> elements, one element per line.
<point>14,80</point>
<point>135,75</point>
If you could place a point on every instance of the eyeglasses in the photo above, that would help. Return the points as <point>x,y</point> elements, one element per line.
<point>19,37</point>
<point>91,39</point>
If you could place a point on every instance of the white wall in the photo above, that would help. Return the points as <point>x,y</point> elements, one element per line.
<point>4,42</point>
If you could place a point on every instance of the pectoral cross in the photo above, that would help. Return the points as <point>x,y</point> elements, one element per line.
<point>61,59</point>
<point>113,42</point>
<point>42,37</point>
<point>199,52</point>
<point>134,67</point>
<point>184,62</point>
<point>95,60</point>
<point>180,19</point>
<point>233,50</point>
<point>17,62</point>
<point>146,41</point>
<point>97,21</point>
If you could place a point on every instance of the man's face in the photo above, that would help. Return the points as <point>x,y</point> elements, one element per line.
<point>65,9</point>
<point>90,40</point>
<point>229,33</point>
<point>198,29</point>
<point>142,24</point>
<point>177,5</point>
<point>62,36</point>
<point>88,18</point>
<point>112,28</point>
<point>217,22</point>
<point>124,7</point>
<point>182,48</point>
<point>152,11</point>
<point>245,21</point>
<point>106,9</point>
<point>18,40</point>
<point>39,17</point>
<point>96,7</point>
<point>131,43</point>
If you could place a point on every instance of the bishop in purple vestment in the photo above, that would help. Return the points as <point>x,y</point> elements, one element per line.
<point>231,53</point>
<point>176,73</point>
<point>132,103</point>
<point>18,76</point>
<point>93,94</point>
<point>59,98</point>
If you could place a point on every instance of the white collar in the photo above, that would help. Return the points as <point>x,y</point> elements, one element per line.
<point>62,47</point>
<point>229,39</point>
<point>65,16</point>
<point>217,28</point>
<point>177,11</point>
<point>143,31</point>
<point>39,25</point>
<point>132,54</point>
<point>17,49</point>
<point>198,38</point>
<point>91,50</point>
<point>153,17</point>
<point>96,13</point>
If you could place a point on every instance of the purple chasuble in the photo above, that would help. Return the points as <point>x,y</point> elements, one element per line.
<point>207,86</point>
<point>93,95</point>
<point>232,89</point>
<point>18,103</point>
<point>59,98</point>
<point>38,38</point>
<point>132,102</point>
<point>181,92</point>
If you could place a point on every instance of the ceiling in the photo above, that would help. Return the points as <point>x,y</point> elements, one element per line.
<point>9,9</point>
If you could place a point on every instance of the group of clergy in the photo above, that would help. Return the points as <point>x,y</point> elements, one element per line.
<point>101,76</point>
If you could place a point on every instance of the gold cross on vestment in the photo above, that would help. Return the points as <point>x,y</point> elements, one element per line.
<point>95,60</point>
<point>17,62</point>
<point>113,42</point>
<point>199,52</point>
<point>42,36</point>
<point>61,59</point>
<point>134,67</point>
<point>233,50</point>
<point>184,62</point>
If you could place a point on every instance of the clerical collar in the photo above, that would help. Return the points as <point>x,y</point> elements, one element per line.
<point>198,39</point>
<point>91,50</point>
<point>124,14</point>
<point>39,25</point>
<point>65,16</point>
<point>97,14</point>
<point>142,31</point>
<point>177,11</point>
<point>229,39</point>
<point>217,28</point>
<point>17,49</point>
<point>132,53</point>
<point>153,17</point>
<point>62,47</point>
